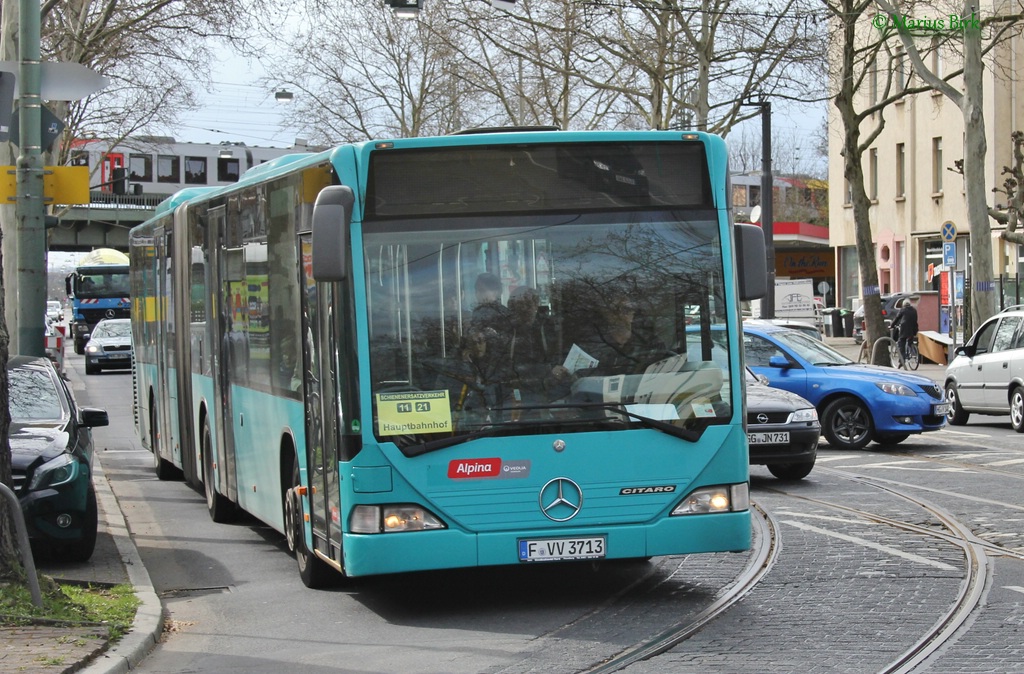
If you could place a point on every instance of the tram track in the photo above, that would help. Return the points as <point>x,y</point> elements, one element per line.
<point>768,545</point>
<point>977,563</point>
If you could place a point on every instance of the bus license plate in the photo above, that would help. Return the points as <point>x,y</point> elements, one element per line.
<point>561,549</point>
<point>768,438</point>
<point>940,409</point>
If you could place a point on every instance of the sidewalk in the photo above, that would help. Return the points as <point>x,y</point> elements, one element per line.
<point>850,349</point>
<point>85,648</point>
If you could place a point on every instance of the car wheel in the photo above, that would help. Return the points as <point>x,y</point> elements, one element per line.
<point>1017,409</point>
<point>956,416</point>
<point>891,438</point>
<point>791,471</point>
<point>81,550</point>
<point>313,571</point>
<point>846,424</point>
<point>222,509</point>
<point>79,347</point>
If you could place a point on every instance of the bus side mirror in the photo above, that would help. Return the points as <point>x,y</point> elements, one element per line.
<point>751,262</point>
<point>332,215</point>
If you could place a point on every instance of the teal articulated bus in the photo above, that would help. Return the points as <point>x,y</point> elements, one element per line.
<point>480,349</point>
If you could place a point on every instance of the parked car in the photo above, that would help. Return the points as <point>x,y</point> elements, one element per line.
<point>109,345</point>
<point>856,403</point>
<point>801,326</point>
<point>51,459</point>
<point>782,430</point>
<point>987,373</point>
<point>890,306</point>
<point>54,311</point>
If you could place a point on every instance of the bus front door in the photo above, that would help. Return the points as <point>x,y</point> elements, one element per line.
<point>321,410</point>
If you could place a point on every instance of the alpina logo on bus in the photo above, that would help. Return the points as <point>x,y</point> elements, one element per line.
<point>664,489</point>
<point>461,468</point>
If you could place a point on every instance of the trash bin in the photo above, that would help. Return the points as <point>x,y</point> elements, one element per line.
<point>847,322</point>
<point>835,322</point>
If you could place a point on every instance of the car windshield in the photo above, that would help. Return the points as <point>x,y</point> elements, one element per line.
<point>113,329</point>
<point>33,396</point>
<point>548,323</point>
<point>812,350</point>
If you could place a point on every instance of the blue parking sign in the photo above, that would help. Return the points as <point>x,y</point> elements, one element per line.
<point>949,253</point>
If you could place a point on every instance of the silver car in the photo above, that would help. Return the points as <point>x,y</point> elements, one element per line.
<point>109,346</point>
<point>987,373</point>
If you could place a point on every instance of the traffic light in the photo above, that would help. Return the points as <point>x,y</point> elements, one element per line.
<point>119,184</point>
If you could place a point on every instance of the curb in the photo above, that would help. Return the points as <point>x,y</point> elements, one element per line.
<point>149,617</point>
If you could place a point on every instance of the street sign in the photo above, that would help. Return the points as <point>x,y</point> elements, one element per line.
<point>50,128</point>
<point>948,231</point>
<point>63,81</point>
<point>66,185</point>
<point>949,254</point>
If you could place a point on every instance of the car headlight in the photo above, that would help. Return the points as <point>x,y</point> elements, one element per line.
<point>896,389</point>
<point>386,519</point>
<point>55,472</point>
<point>719,499</point>
<point>809,414</point>
<point>89,348</point>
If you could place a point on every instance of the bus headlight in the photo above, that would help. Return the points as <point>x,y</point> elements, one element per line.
<point>394,518</point>
<point>720,499</point>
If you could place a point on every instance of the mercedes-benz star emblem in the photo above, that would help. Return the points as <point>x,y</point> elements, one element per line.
<point>762,418</point>
<point>110,313</point>
<point>560,499</point>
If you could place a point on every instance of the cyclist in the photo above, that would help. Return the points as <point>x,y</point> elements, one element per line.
<point>906,321</point>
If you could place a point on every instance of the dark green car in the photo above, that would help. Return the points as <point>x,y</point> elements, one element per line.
<point>51,459</point>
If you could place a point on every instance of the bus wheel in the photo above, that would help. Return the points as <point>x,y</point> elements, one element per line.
<point>312,570</point>
<point>163,468</point>
<point>221,508</point>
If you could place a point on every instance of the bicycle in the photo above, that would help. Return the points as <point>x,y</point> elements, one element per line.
<point>910,361</point>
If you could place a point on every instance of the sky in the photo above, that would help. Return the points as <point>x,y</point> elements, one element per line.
<point>236,109</point>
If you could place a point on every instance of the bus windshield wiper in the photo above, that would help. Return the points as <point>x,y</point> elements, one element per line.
<point>442,443</point>
<point>649,422</point>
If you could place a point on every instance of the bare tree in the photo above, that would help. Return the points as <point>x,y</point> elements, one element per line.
<point>1012,214</point>
<point>979,34</point>
<point>154,52</point>
<point>867,78</point>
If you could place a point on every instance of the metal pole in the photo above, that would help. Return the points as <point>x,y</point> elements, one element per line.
<point>23,544</point>
<point>29,208</point>
<point>767,197</point>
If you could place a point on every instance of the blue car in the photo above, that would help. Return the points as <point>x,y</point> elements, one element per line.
<point>856,403</point>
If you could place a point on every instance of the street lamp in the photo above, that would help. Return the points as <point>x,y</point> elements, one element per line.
<point>767,192</point>
<point>284,96</point>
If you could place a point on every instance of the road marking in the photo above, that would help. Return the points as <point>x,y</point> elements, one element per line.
<point>874,546</point>
<point>901,465</point>
<point>967,433</point>
<point>835,457</point>
<point>841,520</point>
<point>1015,588</point>
<point>1008,462</point>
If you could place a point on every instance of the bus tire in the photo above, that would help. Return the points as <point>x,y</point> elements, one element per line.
<point>313,571</point>
<point>221,508</point>
<point>163,468</point>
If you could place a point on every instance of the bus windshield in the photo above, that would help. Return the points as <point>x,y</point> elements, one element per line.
<point>546,323</point>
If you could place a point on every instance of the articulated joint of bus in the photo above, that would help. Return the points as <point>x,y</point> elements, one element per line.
<point>393,518</point>
<point>724,498</point>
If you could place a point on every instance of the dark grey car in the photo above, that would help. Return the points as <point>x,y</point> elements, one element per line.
<point>782,430</point>
<point>51,459</point>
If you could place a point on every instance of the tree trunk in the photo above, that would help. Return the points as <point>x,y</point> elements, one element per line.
<point>983,291</point>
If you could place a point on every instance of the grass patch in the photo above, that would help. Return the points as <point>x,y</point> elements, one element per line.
<point>113,607</point>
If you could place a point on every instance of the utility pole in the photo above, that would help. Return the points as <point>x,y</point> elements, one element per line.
<point>27,335</point>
